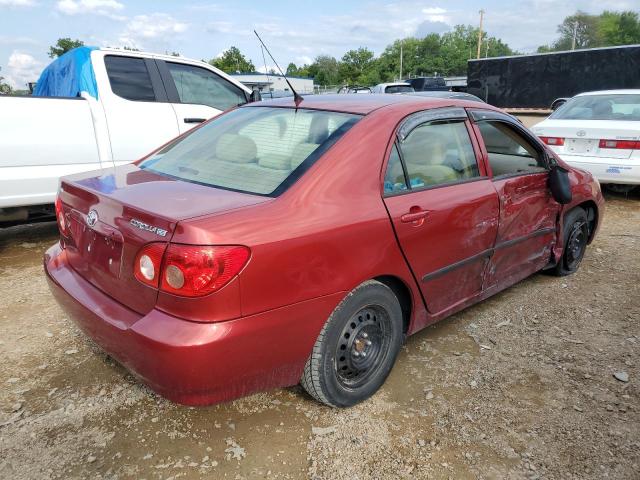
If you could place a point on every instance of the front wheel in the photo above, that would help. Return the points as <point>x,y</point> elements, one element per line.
<point>576,236</point>
<point>356,348</point>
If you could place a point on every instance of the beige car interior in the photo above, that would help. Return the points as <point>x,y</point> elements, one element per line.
<point>430,156</point>
<point>509,153</point>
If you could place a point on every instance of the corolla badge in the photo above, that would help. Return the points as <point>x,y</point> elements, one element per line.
<point>149,228</point>
<point>581,133</point>
<point>92,218</point>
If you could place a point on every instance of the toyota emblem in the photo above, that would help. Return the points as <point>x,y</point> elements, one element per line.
<point>92,218</point>
<point>581,133</point>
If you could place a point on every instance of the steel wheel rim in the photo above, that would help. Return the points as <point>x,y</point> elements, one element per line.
<point>362,346</point>
<point>576,244</point>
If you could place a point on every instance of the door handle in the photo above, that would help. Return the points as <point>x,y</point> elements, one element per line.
<point>194,120</point>
<point>415,216</point>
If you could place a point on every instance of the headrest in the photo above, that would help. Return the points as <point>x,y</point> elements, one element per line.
<point>275,161</point>
<point>301,152</point>
<point>319,129</point>
<point>236,148</point>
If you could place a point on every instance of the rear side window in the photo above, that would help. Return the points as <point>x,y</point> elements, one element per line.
<point>438,153</point>
<point>129,78</point>
<point>201,86</point>
<point>260,150</point>
<point>509,152</point>
<point>394,180</point>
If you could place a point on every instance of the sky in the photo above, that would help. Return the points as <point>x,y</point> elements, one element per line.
<point>294,31</point>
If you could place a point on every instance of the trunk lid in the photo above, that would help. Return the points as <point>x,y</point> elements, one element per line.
<point>582,137</point>
<point>110,216</point>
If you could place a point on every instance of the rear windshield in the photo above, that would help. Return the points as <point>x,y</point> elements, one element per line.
<point>398,89</point>
<point>600,107</point>
<point>261,150</point>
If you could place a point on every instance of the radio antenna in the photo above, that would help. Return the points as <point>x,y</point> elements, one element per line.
<point>266,71</point>
<point>297,98</point>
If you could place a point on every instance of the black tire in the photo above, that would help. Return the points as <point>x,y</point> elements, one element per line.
<point>576,236</point>
<point>356,348</point>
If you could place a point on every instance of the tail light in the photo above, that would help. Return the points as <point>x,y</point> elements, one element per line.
<point>60,218</point>
<point>623,144</point>
<point>555,141</point>
<point>189,270</point>
<point>148,263</point>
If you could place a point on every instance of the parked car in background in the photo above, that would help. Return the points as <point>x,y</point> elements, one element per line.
<point>301,241</point>
<point>394,87</point>
<point>447,94</point>
<point>99,107</point>
<point>421,84</point>
<point>598,132</point>
<point>354,89</point>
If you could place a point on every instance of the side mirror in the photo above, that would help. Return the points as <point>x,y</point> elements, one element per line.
<point>255,96</point>
<point>559,184</point>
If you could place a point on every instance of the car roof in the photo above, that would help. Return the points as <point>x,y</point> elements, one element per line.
<point>364,104</point>
<point>629,91</point>
<point>393,84</point>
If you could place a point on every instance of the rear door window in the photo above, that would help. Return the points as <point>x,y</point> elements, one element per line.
<point>437,153</point>
<point>129,78</point>
<point>203,87</point>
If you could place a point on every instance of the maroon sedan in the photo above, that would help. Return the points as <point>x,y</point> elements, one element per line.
<point>281,244</point>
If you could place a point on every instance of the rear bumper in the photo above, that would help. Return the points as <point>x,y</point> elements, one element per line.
<point>188,362</point>
<point>607,170</point>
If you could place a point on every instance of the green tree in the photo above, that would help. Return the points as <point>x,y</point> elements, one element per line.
<point>292,70</point>
<point>63,45</point>
<point>233,61</point>
<point>585,28</point>
<point>303,71</point>
<point>358,66</point>
<point>325,70</point>
<point>604,30</point>
<point>619,28</point>
<point>5,88</point>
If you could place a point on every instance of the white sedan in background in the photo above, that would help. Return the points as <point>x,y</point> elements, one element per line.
<point>394,87</point>
<point>598,132</point>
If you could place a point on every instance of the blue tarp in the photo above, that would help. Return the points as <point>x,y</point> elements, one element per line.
<point>69,75</point>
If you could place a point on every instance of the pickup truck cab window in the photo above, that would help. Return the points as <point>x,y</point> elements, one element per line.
<point>509,152</point>
<point>200,86</point>
<point>129,78</point>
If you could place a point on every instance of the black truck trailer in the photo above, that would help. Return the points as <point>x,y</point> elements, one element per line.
<point>535,81</point>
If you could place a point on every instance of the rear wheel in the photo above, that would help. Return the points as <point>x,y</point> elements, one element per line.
<point>356,348</point>
<point>576,236</point>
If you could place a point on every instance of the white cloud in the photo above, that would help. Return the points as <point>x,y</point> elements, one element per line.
<point>21,68</point>
<point>97,7</point>
<point>154,28</point>
<point>433,11</point>
<point>17,3</point>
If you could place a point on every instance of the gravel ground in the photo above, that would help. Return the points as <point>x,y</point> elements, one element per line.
<point>540,381</point>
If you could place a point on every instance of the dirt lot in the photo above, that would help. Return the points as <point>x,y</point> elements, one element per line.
<point>521,386</point>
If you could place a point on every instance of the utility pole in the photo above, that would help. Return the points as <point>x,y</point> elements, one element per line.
<point>480,33</point>
<point>575,34</point>
<point>399,79</point>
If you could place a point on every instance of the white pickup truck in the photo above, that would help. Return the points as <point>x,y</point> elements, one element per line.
<point>139,102</point>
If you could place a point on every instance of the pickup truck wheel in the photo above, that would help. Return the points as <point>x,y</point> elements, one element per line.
<point>576,236</point>
<point>356,348</point>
